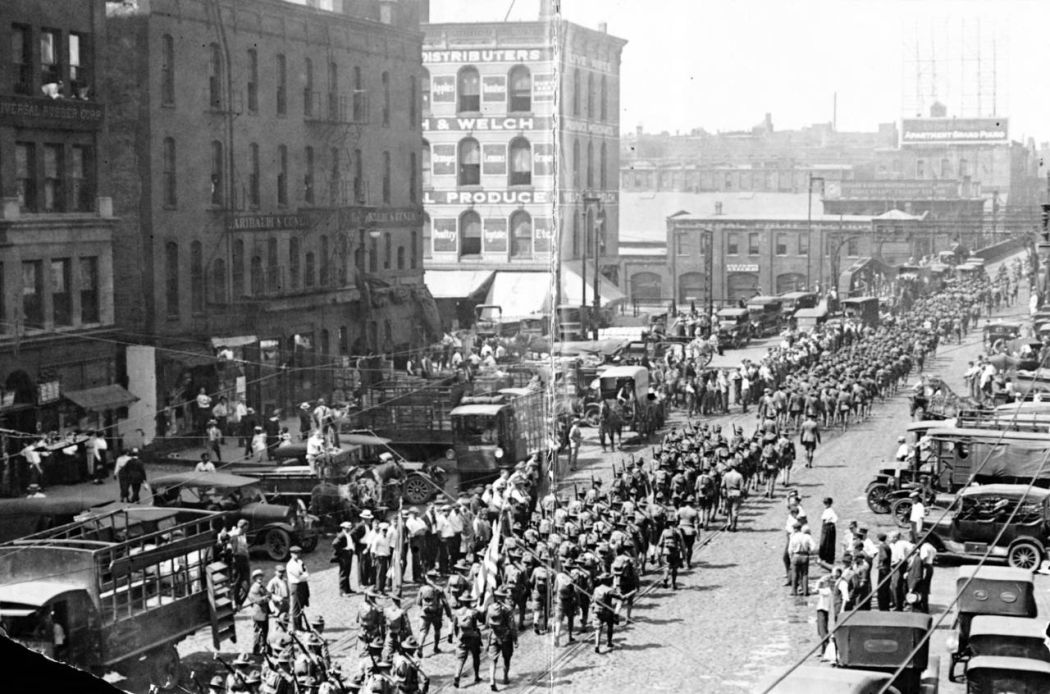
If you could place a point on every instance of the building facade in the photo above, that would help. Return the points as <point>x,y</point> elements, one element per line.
<point>57,348</point>
<point>521,154</point>
<point>268,159</point>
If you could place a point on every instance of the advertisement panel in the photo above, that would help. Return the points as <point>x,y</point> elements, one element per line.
<point>494,89</point>
<point>953,131</point>
<point>486,197</point>
<point>543,87</point>
<point>443,235</point>
<point>487,55</point>
<point>494,159</point>
<point>512,123</point>
<point>495,235</point>
<point>543,159</point>
<point>443,160</point>
<point>443,89</point>
<point>542,231</point>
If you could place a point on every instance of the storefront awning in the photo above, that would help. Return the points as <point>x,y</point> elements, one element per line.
<point>235,341</point>
<point>573,293</point>
<point>455,284</point>
<point>101,398</point>
<point>520,294</point>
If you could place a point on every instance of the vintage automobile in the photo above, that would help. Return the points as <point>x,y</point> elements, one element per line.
<point>810,679</point>
<point>1006,521</point>
<point>734,327</point>
<point>767,314</point>
<point>989,673</point>
<point>863,309</point>
<point>1000,330</point>
<point>893,483</point>
<point>988,591</point>
<point>808,320</point>
<point>793,301</point>
<point>1011,637</point>
<point>884,641</point>
<point>272,528</point>
<point>627,388</point>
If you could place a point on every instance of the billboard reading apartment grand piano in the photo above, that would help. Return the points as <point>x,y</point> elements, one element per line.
<point>918,132</point>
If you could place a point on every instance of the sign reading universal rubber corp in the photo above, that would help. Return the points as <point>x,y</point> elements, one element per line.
<point>487,55</point>
<point>42,112</point>
<point>953,131</point>
<point>510,123</point>
<point>486,197</point>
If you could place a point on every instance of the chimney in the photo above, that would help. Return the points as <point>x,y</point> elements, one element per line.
<point>603,27</point>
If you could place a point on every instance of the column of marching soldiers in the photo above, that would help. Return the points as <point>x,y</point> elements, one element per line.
<point>569,565</point>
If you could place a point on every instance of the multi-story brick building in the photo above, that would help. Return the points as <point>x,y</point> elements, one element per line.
<point>59,364</point>
<point>267,160</point>
<point>520,163</point>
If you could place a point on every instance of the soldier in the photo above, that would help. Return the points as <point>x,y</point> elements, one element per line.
<point>670,544</point>
<point>398,627</point>
<point>733,491</point>
<point>241,665</point>
<point>809,437</point>
<point>539,582</point>
<point>565,600</point>
<point>626,576</point>
<point>278,677</point>
<point>380,680</point>
<point>370,619</point>
<point>689,526</point>
<point>606,610</point>
<point>515,580</point>
<point>406,673</point>
<point>503,636</point>
<point>458,584</point>
<point>433,602</point>
<point>466,628</point>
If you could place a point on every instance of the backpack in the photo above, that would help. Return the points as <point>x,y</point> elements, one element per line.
<point>467,622</point>
<point>496,619</point>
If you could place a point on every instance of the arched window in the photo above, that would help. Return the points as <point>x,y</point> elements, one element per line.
<point>576,163</point>
<point>424,90</point>
<point>215,76</point>
<point>167,70</point>
<point>171,278</point>
<point>238,269</point>
<point>469,233</point>
<point>691,286</point>
<point>521,235</point>
<point>469,162</point>
<point>603,161</point>
<point>308,270</point>
<point>256,276</point>
<point>218,281</point>
<point>519,94</point>
<point>400,257</point>
<point>413,250</point>
<point>196,277</point>
<point>520,162</point>
<point>468,90</point>
<point>217,165</point>
<point>590,163</point>
<point>426,164</point>
<point>646,286</point>
<point>325,347</point>
<point>426,237</point>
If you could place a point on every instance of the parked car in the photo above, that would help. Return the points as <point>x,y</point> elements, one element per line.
<point>989,673</point>
<point>272,528</point>
<point>734,327</point>
<point>809,679</point>
<point>766,315</point>
<point>886,641</point>
<point>979,519</point>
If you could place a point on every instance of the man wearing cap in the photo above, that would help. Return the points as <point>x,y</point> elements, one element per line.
<point>360,534</point>
<point>259,599</point>
<point>343,554</point>
<point>503,636</point>
<point>235,681</point>
<point>606,610</point>
<point>466,628</point>
<point>433,603</point>
<point>416,529</point>
<point>217,685</point>
<point>381,547</point>
<point>277,588</point>
<point>298,590</point>
<point>916,517</point>
<point>305,421</point>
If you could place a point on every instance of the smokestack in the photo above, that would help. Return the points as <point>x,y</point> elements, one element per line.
<point>835,112</point>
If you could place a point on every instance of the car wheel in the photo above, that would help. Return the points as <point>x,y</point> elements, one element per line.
<point>277,544</point>
<point>876,496</point>
<point>593,416</point>
<point>1024,555</point>
<point>901,511</point>
<point>309,544</point>
<point>165,668</point>
<point>417,490</point>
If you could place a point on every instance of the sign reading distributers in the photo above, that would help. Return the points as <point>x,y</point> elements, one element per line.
<point>953,131</point>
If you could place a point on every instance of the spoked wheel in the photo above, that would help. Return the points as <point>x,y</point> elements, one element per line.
<point>416,490</point>
<point>876,497</point>
<point>278,543</point>
<point>901,511</point>
<point>1024,555</point>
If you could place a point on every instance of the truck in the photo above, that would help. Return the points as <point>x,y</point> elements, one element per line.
<point>491,431</point>
<point>116,591</point>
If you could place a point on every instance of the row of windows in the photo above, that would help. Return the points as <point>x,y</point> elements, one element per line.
<point>327,101</point>
<point>318,182</point>
<point>49,289</point>
<point>51,62</point>
<point>52,177</point>
<point>782,241</point>
<point>468,88</point>
<point>520,236</point>
<point>268,273</point>
<point>468,160</point>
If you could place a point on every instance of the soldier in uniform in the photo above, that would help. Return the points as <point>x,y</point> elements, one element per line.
<point>671,543</point>
<point>626,576</point>
<point>565,600</point>
<point>466,628</point>
<point>405,672</point>
<point>398,627</point>
<point>503,636</point>
<point>457,582</point>
<point>434,604</point>
<point>515,580</point>
<point>379,680</point>
<point>689,526</point>
<point>539,582</point>
<point>606,610</point>
<point>370,618</point>
<point>278,677</point>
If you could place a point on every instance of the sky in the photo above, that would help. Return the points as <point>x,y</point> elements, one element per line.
<point>723,65</point>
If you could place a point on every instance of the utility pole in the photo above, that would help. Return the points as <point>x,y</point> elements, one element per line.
<point>599,233</point>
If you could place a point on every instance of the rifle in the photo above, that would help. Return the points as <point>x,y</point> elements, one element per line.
<point>196,682</point>
<point>314,660</point>
<point>230,669</point>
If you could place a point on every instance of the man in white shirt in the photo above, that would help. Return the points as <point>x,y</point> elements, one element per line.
<point>902,449</point>
<point>96,447</point>
<point>315,450</point>
<point>445,532</point>
<point>298,590</point>
<point>205,464</point>
<point>916,517</point>
<point>380,544</point>
<point>34,454</point>
<point>900,549</point>
<point>800,547</point>
<point>416,529</point>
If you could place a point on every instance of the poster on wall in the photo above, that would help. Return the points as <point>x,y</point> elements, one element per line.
<point>543,159</point>
<point>543,87</point>
<point>542,229</point>
<point>494,159</point>
<point>494,89</point>
<point>495,235</point>
<point>443,235</point>
<point>443,160</point>
<point>443,89</point>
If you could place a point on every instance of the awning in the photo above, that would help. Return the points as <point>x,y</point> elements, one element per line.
<point>455,284</point>
<point>573,293</point>
<point>235,341</point>
<point>101,398</point>
<point>520,294</point>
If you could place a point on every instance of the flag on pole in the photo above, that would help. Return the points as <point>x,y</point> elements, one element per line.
<point>485,581</point>
<point>397,580</point>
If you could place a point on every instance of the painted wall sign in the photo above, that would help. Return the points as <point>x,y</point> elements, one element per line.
<point>741,267</point>
<point>542,233</point>
<point>494,88</point>
<point>494,55</point>
<point>443,89</point>
<point>42,112</point>
<point>499,124</point>
<point>543,87</point>
<point>443,160</point>
<point>543,159</point>
<point>443,235</point>
<point>493,159</point>
<point>495,235</point>
<point>268,222</point>
<point>486,197</point>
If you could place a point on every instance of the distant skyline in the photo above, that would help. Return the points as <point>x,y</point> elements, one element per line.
<point>723,65</point>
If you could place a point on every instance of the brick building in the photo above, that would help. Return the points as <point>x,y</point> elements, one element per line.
<point>59,365</point>
<point>267,160</point>
<point>504,179</point>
